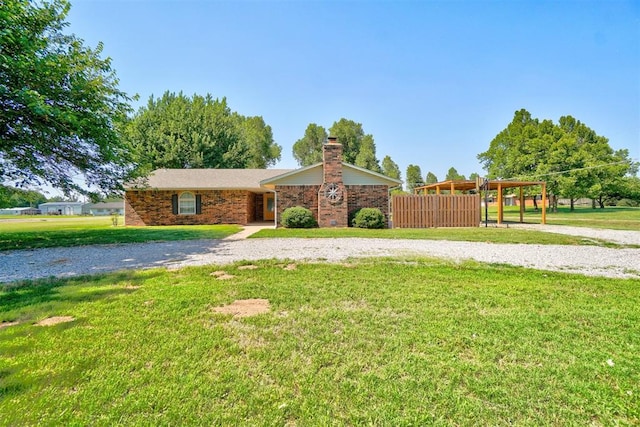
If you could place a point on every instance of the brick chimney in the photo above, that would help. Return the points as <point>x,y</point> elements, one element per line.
<point>332,197</point>
<point>332,161</point>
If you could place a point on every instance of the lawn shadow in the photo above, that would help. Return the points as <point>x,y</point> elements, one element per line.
<point>19,379</point>
<point>8,384</point>
<point>30,294</point>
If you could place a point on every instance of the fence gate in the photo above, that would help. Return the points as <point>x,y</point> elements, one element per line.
<point>443,210</point>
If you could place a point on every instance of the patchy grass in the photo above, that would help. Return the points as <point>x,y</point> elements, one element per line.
<point>76,231</point>
<point>474,234</point>
<point>617,218</point>
<point>385,342</point>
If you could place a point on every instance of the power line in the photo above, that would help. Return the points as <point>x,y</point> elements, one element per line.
<point>572,170</point>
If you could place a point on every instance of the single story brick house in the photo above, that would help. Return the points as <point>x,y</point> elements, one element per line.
<point>331,189</point>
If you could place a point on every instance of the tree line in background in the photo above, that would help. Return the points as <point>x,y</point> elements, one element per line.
<point>65,123</point>
<point>414,177</point>
<point>358,148</point>
<point>178,131</point>
<point>573,160</point>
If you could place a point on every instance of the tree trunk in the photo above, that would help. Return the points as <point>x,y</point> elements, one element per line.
<point>571,203</point>
<point>601,202</point>
<point>535,203</point>
<point>593,203</point>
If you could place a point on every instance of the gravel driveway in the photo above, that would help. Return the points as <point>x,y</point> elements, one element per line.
<point>68,262</point>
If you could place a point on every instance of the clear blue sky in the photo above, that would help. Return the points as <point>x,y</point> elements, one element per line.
<point>434,82</point>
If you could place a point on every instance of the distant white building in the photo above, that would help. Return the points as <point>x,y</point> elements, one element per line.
<point>61,208</point>
<point>19,211</point>
<point>105,208</point>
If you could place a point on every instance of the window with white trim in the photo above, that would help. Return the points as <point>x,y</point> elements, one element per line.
<point>187,204</point>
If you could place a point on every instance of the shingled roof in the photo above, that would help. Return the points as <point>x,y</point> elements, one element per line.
<point>206,179</point>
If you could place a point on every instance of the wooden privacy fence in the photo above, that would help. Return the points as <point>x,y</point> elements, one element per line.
<point>415,211</point>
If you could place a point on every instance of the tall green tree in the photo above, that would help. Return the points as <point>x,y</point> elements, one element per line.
<point>573,160</point>
<point>60,103</point>
<point>177,131</point>
<point>414,177</point>
<point>390,168</point>
<point>516,151</point>
<point>263,152</point>
<point>11,197</point>
<point>308,149</point>
<point>366,157</point>
<point>357,147</point>
<point>453,175</point>
<point>350,135</point>
<point>431,178</point>
<point>581,163</point>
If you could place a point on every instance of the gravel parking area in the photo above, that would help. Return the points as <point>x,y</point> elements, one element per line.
<point>625,237</point>
<point>68,262</point>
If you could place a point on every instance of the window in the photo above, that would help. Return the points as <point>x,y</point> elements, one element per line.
<point>187,204</point>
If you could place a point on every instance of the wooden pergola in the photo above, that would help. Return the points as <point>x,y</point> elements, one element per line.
<point>497,185</point>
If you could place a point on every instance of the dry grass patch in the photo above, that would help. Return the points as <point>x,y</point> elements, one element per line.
<point>7,324</point>
<point>222,275</point>
<point>50,321</point>
<point>245,307</point>
<point>248,267</point>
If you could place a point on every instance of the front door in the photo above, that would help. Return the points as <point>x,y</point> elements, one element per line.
<point>269,206</point>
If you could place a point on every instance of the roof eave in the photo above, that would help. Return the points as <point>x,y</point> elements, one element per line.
<point>252,189</point>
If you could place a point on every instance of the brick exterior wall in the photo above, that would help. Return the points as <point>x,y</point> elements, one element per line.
<point>218,207</point>
<point>289,196</point>
<point>259,207</point>
<point>369,196</point>
<point>358,196</point>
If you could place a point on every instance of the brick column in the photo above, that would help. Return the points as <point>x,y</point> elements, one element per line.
<point>332,197</point>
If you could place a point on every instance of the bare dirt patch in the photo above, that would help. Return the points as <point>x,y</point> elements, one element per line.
<point>245,307</point>
<point>248,267</point>
<point>222,275</point>
<point>50,321</point>
<point>7,324</point>
<point>290,267</point>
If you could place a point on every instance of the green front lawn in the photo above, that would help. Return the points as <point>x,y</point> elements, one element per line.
<point>382,342</point>
<point>619,218</point>
<point>75,231</point>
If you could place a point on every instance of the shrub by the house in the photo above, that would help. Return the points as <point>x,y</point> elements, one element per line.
<point>368,218</point>
<point>298,217</point>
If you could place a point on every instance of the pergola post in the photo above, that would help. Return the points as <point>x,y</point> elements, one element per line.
<point>452,188</point>
<point>521,205</point>
<point>544,202</point>
<point>500,207</point>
